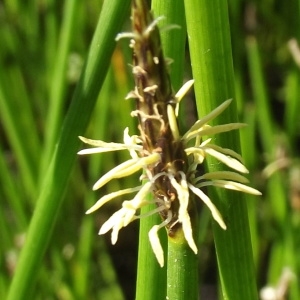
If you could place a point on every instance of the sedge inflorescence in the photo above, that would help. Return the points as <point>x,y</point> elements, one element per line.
<point>160,152</point>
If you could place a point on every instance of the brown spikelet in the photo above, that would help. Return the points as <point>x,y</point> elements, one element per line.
<point>153,86</point>
<point>153,93</point>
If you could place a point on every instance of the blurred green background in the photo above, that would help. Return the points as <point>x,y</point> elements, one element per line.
<point>43,47</point>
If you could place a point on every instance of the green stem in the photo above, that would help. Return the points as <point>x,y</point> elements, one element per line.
<point>211,58</point>
<point>151,279</point>
<point>56,179</point>
<point>173,40</point>
<point>182,279</point>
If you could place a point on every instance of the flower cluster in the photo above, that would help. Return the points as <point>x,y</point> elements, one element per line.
<point>183,183</point>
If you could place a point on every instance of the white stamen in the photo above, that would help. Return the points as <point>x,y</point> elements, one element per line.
<point>213,114</point>
<point>127,168</point>
<point>173,122</point>
<point>231,185</point>
<point>183,216</point>
<point>122,35</point>
<point>184,89</point>
<point>155,242</point>
<point>227,160</point>
<point>152,26</point>
<point>225,175</point>
<point>106,147</point>
<point>131,140</point>
<point>156,245</point>
<point>116,221</point>
<point>111,196</point>
<point>225,151</point>
<point>214,211</point>
<point>211,130</point>
<point>181,93</point>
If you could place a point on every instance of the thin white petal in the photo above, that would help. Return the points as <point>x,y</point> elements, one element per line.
<point>115,231</point>
<point>111,196</point>
<point>213,114</point>
<point>215,213</point>
<point>129,213</point>
<point>188,232</point>
<point>214,130</point>
<point>198,154</point>
<point>204,143</point>
<point>231,185</point>
<point>225,175</point>
<point>136,203</point>
<point>184,89</point>
<point>156,245</point>
<point>131,142</point>
<point>140,197</point>
<point>116,218</point>
<point>126,168</point>
<point>183,216</point>
<point>109,146</point>
<point>227,160</point>
<point>116,147</point>
<point>118,172</point>
<point>181,93</point>
<point>173,122</point>
<point>96,150</point>
<point>122,35</point>
<point>116,222</point>
<point>128,218</point>
<point>225,151</point>
<point>152,25</point>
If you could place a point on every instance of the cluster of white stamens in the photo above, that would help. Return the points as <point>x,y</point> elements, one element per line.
<point>182,186</point>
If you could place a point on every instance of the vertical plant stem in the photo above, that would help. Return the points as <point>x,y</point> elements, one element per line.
<point>172,40</point>
<point>87,235</point>
<point>151,279</point>
<point>56,179</point>
<point>211,58</point>
<point>182,270</point>
<point>182,279</point>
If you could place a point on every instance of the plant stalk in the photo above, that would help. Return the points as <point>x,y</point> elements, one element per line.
<point>211,58</point>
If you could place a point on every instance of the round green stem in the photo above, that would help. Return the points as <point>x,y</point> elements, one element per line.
<point>182,273</point>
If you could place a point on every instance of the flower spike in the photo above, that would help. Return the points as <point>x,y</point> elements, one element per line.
<point>167,159</point>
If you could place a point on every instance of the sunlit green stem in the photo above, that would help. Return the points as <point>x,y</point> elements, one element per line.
<point>151,278</point>
<point>182,273</point>
<point>211,58</point>
<point>56,179</point>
